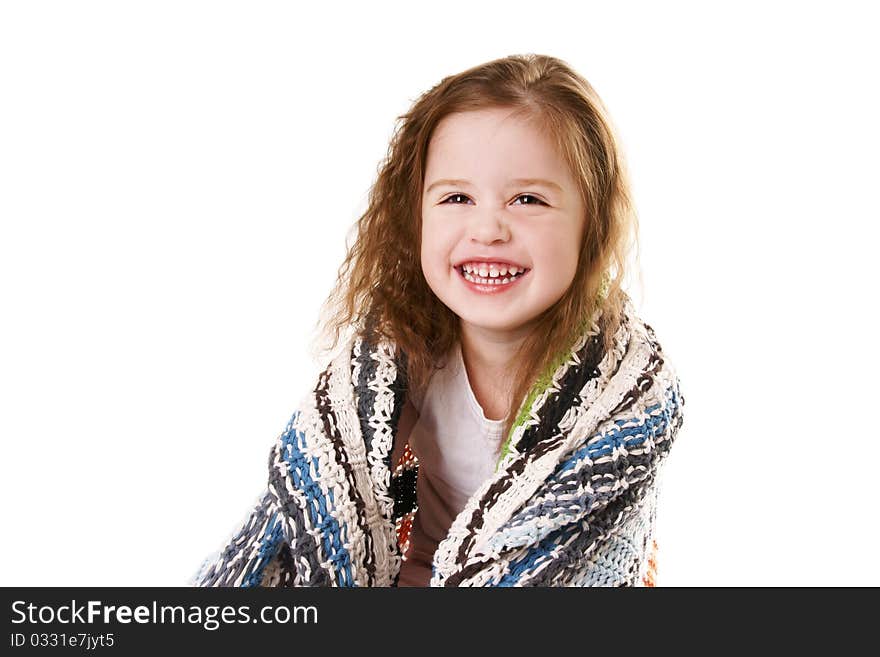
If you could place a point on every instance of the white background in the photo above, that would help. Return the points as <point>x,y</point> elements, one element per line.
<point>177,180</point>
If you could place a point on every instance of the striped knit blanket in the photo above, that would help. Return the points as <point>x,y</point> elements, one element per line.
<point>572,501</point>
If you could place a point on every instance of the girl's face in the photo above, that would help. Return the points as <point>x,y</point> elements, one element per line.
<point>496,192</point>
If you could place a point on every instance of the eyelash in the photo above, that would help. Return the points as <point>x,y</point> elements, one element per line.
<point>518,197</point>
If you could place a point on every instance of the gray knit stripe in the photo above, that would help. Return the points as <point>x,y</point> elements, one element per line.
<point>230,563</point>
<point>620,559</point>
<point>364,372</point>
<point>331,430</point>
<point>601,526</point>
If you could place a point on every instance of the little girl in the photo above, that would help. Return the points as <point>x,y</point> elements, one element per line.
<point>498,415</point>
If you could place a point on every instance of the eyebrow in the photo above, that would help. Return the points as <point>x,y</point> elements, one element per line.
<point>459,182</point>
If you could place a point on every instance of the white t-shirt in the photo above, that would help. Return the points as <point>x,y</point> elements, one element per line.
<point>457,448</point>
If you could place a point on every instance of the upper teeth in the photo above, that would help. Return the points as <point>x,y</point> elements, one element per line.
<point>491,271</point>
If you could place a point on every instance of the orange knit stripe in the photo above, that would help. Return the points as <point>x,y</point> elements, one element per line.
<point>650,578</point>
<point>404,525</point>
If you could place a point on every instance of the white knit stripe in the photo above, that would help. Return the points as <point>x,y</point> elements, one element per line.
<point>388,556</point>
<point>354,348</point>
<point>341,396</point>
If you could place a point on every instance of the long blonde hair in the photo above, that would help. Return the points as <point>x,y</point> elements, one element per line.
<point>381,276</point>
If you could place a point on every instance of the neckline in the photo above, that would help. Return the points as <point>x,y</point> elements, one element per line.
<point>495,426</point>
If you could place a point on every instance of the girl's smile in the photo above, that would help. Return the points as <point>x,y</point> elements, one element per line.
<point>490,281</point>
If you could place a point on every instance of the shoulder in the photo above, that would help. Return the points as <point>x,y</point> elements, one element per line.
<point>409,415</point>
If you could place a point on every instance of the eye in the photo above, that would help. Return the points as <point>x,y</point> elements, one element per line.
<point>453,196</point>
<point>531,197</point>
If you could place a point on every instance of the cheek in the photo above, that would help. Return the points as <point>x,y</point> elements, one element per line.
<point>436,244</point>
<point>430,261</point>
<point>554,247</point>
<point>557,253</point>
<point>428,241</point>
<point>429,248</point>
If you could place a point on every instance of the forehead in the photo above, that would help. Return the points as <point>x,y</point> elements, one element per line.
<point>467,142</point>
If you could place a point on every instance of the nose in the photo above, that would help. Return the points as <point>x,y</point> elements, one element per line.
<point>489,227</point>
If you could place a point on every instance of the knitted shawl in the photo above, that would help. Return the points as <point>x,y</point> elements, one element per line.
<point>572,501</point>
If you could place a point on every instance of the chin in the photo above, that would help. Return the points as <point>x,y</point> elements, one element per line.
<point>491,321</point>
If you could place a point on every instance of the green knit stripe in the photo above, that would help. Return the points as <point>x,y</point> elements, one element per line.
<point>541,384</point>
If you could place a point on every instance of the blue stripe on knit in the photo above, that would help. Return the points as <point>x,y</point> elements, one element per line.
<point>525,565</point>
<point>557,537</point>
<point>319,514</point>
<point>269,545</point>
<point>628,437</point>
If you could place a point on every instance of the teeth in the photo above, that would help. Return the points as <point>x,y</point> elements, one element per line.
<point>477,274</point>
<point>491,271</point>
